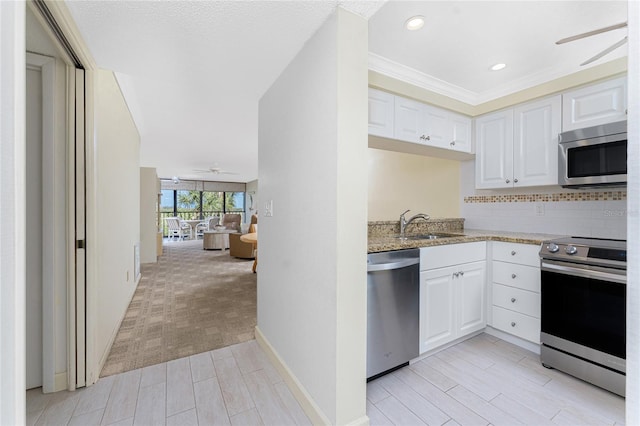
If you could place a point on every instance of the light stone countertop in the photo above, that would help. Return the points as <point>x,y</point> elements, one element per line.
<point>388,243</point>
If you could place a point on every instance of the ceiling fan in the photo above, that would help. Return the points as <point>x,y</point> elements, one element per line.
<point>595,32</point>
<point>214,170</point>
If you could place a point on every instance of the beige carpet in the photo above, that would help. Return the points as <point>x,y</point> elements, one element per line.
<point>191,301</point>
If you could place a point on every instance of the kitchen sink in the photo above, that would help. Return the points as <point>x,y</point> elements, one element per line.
<point>432,236</point>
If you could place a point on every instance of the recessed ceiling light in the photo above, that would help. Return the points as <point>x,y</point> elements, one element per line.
<point>414,23</point>
<point>498,67</point>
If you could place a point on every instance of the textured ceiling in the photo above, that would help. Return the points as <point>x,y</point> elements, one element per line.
<point>192,72</point>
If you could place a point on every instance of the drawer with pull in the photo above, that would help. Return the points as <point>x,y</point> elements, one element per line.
<point>516,323</point>
<point>515,299</point>
<point>514,275</point>
<point>524,254</point>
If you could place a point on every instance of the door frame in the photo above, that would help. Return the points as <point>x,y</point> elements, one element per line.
<point>46,65</point>
<point>59,24</point>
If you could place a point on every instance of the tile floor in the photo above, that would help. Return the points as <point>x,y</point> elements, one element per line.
<point>480,381</point>
<point>235,385</point>
<point>485,380</point>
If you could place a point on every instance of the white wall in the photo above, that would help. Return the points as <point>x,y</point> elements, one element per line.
<point>12,213</point>
<point>602,219</point>
<point>149,186</point>
<point>633,271</point>
<point>312,164</point>
<point>116,148</point>
<point>400,181</point>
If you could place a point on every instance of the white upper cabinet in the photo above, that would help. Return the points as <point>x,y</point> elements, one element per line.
<point>461,137</point>
<point>407,120</point>
<point>519,147</point>
<point>438,127</point>
<point>410,122</point>
<point>381,107</point>
<point>593,105</point>
<point>494,150</point>
<point>535,143</point>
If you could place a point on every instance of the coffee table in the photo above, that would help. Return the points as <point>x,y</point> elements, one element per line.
<point>216,240</point>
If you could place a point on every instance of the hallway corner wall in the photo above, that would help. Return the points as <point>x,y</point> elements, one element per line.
<point>116,211</point>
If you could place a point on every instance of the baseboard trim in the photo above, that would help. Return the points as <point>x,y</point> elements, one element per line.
<point>305,400</point>
<point>60,381</point>
<point>362,421</point>
<point>445,346</point>
<point>103,358</point>
<point>525,344</point>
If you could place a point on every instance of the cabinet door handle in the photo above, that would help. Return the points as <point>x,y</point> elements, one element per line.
<point>513,276</point>
<point>461,273</point>
<point>513,252</point>
<point>452,143</point>
<point>507,181</point>
<point>513,300</point>
<point>428,138</point>
<point>455,274</point>
<point>513,324</point>
<point>515,180</point>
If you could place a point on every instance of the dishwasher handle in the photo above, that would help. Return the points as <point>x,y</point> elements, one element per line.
<point>398,264</point>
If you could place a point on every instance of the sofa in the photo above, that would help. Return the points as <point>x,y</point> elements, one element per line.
<point>239,248</point>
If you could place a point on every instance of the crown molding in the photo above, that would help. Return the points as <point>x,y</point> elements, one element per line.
<point>409,75</point>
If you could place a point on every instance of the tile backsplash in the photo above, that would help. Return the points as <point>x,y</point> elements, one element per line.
<point>578,213</point>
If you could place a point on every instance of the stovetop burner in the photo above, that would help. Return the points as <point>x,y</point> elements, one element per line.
<point>585,250</point>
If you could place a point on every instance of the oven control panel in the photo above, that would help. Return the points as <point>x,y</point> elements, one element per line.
<point>564,250</point>
<point>590,251</point>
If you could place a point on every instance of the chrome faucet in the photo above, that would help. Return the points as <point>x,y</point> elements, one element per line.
<point>404,222</point>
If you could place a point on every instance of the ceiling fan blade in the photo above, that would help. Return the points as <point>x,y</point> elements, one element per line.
<point>590,33</point>
<point>605,51</point>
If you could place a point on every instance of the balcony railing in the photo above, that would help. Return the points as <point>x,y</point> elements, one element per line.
<point>193,215</point>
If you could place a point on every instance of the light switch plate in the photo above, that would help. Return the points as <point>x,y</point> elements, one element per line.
<point>268,208</point>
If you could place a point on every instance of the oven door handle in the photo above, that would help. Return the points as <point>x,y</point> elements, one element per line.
<point>562,268</point>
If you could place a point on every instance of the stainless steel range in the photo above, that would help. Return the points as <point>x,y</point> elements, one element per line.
<point>583,317</point>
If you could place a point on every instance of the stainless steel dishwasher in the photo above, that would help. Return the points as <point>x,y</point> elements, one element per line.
<point>393,310</point>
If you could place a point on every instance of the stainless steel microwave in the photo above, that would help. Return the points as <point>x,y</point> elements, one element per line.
<point>593,156</point>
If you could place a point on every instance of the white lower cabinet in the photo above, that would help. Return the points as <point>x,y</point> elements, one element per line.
<point>452,293</point>
<point>455,300</point>
<point>436,308</point>
<point>515,290</point>
<point>515,323</point>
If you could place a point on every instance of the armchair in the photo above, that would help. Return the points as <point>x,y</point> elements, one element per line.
<point>232,221</point>
<point>176,228</point>
<point>239,248</point>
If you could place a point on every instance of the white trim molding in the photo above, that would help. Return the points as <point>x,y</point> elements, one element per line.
<point>51,381</point>
<point>409,75</point>
<point>307,403</point>
<point>417,78</point>
<point>12,212</point>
